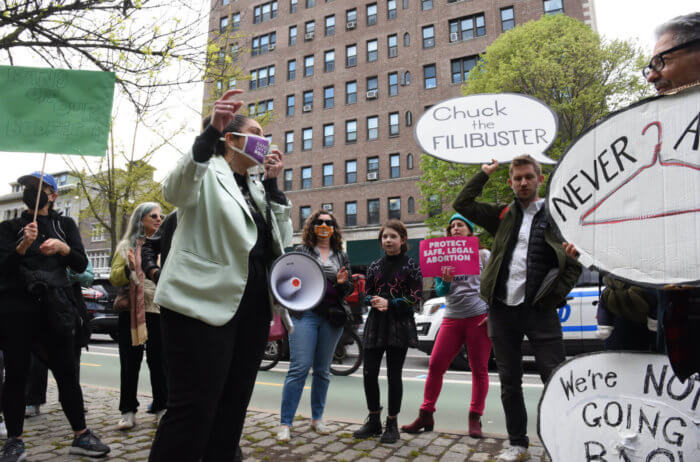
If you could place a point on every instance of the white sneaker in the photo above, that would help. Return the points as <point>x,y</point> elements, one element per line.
<point>128,421</point>
<point>513,454</point>
<point>3,430</point>
<point>320,427</point>
<point>283,435</point>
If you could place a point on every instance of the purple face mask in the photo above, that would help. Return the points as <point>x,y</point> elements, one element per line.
<point>255,147</point>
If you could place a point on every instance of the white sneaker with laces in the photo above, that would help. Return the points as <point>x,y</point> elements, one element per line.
<point>283,435</point>
<point>320,427</point>
<point>127,421</point>
<point>513,454</point>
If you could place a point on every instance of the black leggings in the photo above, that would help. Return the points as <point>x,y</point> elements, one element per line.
<point>395,357</point>
<point>20,334</point>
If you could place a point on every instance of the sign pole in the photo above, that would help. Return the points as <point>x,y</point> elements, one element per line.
<point>38,193</point>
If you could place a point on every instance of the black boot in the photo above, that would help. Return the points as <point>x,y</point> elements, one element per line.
<point>391,431</point>
<point>372,426</point>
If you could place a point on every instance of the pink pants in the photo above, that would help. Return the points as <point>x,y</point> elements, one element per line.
<point>452,335</point>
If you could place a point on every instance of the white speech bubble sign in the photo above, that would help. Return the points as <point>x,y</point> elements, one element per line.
<point>627,192</point>
<point>619,406</point>
<point>477,128</point>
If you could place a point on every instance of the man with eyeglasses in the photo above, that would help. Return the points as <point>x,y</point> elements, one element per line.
<point>676,60</point>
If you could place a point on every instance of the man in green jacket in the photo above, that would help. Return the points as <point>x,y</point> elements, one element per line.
<point>527,277</point>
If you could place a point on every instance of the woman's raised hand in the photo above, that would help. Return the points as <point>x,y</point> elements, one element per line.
<point>342,277</point>
<point>224,110</point>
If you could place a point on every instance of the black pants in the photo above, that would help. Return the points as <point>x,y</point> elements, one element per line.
<point>211,375</point>
<point>395,357</point>
<point>2,379</point>
<point>507,326</point>
<point>20,334</point>
<point>130,358</point>
<point>39,376</point>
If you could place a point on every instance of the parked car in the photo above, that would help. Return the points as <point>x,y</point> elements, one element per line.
<point>100,300</point>
<point>578,321</point>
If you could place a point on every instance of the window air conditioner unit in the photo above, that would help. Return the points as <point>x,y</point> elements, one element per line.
<point>372,94</point>
<point>271,47</point>
<point>307,108</point>
<point>351,25</point>
<point>309,36</point>
<point>372,176</point>
<point>454,37</point>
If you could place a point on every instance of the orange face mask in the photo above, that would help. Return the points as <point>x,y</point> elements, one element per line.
<point>323,231</point>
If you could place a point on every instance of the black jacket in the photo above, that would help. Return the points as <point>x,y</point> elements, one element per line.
<point>158,244</point>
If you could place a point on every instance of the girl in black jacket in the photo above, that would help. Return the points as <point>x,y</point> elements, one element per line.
<point>394,287</point>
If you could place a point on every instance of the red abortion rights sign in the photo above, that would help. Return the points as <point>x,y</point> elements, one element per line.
<point>461,253</point>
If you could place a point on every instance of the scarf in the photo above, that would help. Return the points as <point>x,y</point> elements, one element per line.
<point>139,333</point>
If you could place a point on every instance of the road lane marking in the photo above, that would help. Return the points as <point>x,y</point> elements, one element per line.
<point>91,365</point>
<point>272,384</point>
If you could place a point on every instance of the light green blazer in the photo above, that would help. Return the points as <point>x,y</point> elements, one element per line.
<point>207,267</point>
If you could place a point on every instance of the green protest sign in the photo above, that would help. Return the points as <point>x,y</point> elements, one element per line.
<point>55,110</point>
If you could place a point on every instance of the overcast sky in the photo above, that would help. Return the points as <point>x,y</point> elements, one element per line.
<point>622,19</point>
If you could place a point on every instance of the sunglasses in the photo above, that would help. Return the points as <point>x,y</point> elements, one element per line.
<point>657,62</point>
<point>323,222</point>
<point>155,215</point>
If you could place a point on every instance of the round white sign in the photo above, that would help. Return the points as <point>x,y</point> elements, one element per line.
<point>477,128</point>
<point>627,192</point>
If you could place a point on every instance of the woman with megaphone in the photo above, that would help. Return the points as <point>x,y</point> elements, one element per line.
<point>317,331</point>
<point>394,289</point>
<point>213,289</point>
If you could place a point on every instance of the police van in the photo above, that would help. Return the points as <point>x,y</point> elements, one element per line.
<point>578,321</point>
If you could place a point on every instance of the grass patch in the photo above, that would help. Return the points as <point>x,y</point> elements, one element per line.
<point>414,453</point>
<point>252,439</point>
<point>259,450</point>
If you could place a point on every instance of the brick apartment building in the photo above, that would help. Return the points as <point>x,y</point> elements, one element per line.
<point>347,80</point>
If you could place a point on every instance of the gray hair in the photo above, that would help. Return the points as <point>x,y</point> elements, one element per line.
<point>135,228</point>
<point>683,28</point>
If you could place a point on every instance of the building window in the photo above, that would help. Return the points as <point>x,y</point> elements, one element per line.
<point>306,177</point>
<point>393,80</point>
<point>351,55</point>
<point>327,174</point>
<point>263,44</point>
<point>310,3</point>
<point>351,18</point>
<point>309,30</point>
<point>371,14</point>
<point>288,142</point>
<point>461,68</point>
<point>264,12</point>
<point>328,97</point>
<point>434,205</point>
<point>328,207</point>
<point>290,105</point>
<point>395,166</point>
<point>372,127</point>
<point>467,27</point>
<point>328,135</point>
<point>330,25</point>
<point>235,21</point>
<point>99,259</point>
<point>231,83</point>
<point>293,6</point>
<point>409,161</point>
<point>260,78</point>
<point>350,171</point>
<point>288,179</point>
<point>351,213</point>
<point>351,92</point>
<point>372,85</point>
<point>291,69</point>
<point>429,36</point>
<point>395,208</point>
<point>426,5</point>
<point>411,205</point>
<point>223,25</point>
<point>373,211</point>
<point>507,18</point>
<point>372,50</point>
<point>394,124</point>
<point>391,9</point>
<point>307,136</point>
<point>293,32</point>
<point>392,42</point>
<point>329,61</point>
<point>553,7</point>
<point>97,233</point>
<point>219,87</point>
<point>406,39</point>
<point>304,213</point>
<point>308,66</point>
<point>351,131</point>
<point>406,78</point>
<point>307,99</point>
<point>405,4</point>
<point>429,77</point>
<point>409,118</point>
<point>373,166</point>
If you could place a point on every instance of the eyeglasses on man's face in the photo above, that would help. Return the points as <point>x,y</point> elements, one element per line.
<point>657,62</point>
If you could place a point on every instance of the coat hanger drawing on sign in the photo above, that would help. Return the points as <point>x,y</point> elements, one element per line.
<point>657,163</point>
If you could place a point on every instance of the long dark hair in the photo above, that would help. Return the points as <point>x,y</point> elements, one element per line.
<point>400,228</point>
<point>308,236</point>
<point>236,125</point>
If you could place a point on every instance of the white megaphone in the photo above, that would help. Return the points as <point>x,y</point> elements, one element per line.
<point>297,281</point>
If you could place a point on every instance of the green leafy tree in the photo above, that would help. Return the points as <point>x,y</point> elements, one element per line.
<point>563,63</point>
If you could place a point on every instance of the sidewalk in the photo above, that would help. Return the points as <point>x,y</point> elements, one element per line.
<point>48,438</point>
